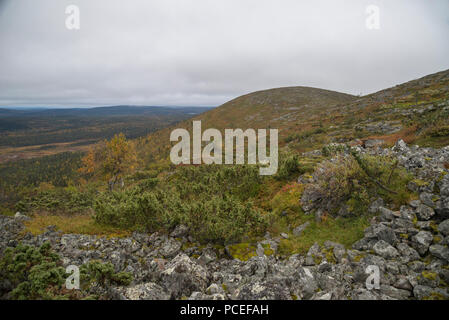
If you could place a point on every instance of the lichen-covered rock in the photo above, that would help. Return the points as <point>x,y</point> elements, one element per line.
<point>169,248</point>
<point>425,212</point>
<point>443,227</point>
<point>298,230</point>
<point>183,276</point>
<point>144,291</point>
<point>385,250</point>
<point>422,241</point>
<point>440,251</point>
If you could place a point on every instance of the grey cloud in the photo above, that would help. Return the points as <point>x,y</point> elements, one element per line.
<point>205,52</point>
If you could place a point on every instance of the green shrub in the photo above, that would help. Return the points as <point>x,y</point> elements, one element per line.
<point>37,273</point>
<point>441,131</point>
<point>217,219</point>
<point>213,201</point>
<point>103,274</point>
<point>68,199</point>
<point>34,273</point>
<point>288,166</point>
<point>333,149</point>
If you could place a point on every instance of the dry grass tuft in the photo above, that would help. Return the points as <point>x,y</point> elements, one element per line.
<point>77,224</point>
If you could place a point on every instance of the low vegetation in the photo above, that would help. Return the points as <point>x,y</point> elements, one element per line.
<point>37,273</point>
<point>122,185</point>
<point>213,201</point>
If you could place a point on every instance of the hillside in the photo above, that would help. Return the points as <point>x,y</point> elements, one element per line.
<point>309,117</point>
<point>351,192</point>
<point>289,109</point>
<point>273,108</point>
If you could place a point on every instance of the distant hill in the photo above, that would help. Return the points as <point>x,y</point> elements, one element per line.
<point>31,132</point>
<point>101,111</point>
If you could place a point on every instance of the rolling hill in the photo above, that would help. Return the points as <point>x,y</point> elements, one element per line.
<point>29,133</point>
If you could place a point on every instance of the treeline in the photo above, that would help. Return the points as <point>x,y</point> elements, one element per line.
<point>28,132</point>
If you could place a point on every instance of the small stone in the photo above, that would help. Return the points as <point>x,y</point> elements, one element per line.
<point>213,289</point>
<point>180,231</point>
<point>422,241</point>
<point>146,291</point>
<point>21,217</point>
<point>385,214</point>
<point>439,251</point>
<point>403,283</point>
<point>425,212</point>
<point>260,250</point>
<point>400,146</point>
<point>408,253</point>
<point>415,203</point>
<point>299,230</point>
<point>426,198</point>
<point>421,292</point>
<point>375,205</point>
<point>383,249</point>
<point>443,227</point>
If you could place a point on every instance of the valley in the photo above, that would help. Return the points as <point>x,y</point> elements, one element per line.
<point>29,133</point>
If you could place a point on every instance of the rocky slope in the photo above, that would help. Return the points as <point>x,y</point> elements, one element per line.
<point>410,248</point>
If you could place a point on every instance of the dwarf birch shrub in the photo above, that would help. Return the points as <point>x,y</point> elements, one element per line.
<point>213,201</point>
<point>36,273</point>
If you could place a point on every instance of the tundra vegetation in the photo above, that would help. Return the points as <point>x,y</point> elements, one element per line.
<point>123,185</point>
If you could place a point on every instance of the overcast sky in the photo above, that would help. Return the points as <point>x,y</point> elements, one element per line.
<point>206,52</point>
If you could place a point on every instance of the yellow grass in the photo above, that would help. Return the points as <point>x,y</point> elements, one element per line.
<point>78,224</point>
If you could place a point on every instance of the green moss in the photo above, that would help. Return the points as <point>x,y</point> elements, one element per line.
<point>242,251</point>
<point>404,236</point>
<point>429,275</point>
<point>359,257</point>
<point>329,253</point>
<point>442,174</point>
<point>317,259</point>
<point>6,212</point>
<point>435,296</point>
<point>225,287</point>
<point>420,183</point>
<point>436,239</point>
<point>415,221</point>
<point>267,249</point>
<point>433,226</point>
<point>294,297</point>
<point>345,231</point>
<point>187,245</point>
